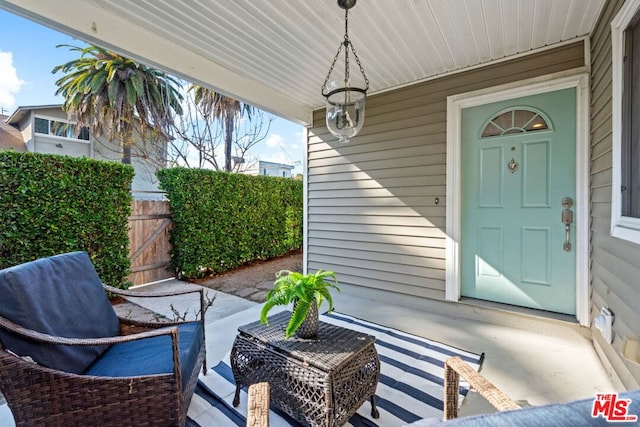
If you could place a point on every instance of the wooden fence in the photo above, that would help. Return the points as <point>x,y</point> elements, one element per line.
<point>149,245</point>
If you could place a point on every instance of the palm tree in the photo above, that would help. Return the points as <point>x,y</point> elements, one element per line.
<point>224,108</point>
<point>111,94</point>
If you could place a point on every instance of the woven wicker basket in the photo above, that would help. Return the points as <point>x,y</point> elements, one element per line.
<point>309,328</point>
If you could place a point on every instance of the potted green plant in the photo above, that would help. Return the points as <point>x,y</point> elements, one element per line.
<point>306,292</point>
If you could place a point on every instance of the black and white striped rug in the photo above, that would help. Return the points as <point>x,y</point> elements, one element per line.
<point>410,388</point>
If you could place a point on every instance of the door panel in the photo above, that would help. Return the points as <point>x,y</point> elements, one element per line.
<point>536,255</point>
<point>512,188</point>
<point>490,183</point>
<point>535,174</point>
<point>490,252</point>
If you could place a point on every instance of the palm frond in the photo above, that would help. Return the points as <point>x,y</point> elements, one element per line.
<point>133,93</point>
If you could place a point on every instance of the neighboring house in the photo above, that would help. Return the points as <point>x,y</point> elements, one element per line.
<point>483,119</point>
<point>262,167</point>
<point>10,136</point>
<point>47,129</point>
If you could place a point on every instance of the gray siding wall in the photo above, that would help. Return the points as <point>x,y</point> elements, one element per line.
<point>615,264</point>
<point>373,217</point>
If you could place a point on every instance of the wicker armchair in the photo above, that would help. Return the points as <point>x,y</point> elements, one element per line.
<point>144,374</point>
<point>454,368</point>
<point>258,405</point>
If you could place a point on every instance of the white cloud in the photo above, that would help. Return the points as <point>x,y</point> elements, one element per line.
<point>274,140</point>
<point>10,84</point>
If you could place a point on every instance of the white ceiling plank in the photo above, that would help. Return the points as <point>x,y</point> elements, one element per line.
<point>578,11</point>
<point>376,45</point>
<point>526,12</point>
<point>492,13</point>
<point>510,26</point>
<point>275,54</point>
<point>591,15</point>
<point>393,26</point>
<point>446,26</point>
<point>422,44</point>
<point>460,23</point>
<point>98,25</point>
<point>541,22</point>
<point>419,47</point>
<point>558,21</point>
<point>477,21</point>
<point>442,61</point>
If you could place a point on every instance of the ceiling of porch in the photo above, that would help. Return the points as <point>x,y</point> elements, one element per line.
<point>275,53</point>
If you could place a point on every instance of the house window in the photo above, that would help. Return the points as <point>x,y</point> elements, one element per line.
<point>625,191</point>
<point>84,133</point>
<point>59,128</point>
<point>42,125</point>
<point>514,121</point>
<point>630,144</point>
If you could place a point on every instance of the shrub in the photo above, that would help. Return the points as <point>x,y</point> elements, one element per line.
<point>54,204</point>
<point>223,220</point>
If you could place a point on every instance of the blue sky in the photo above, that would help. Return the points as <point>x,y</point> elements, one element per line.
<point>28,53</point>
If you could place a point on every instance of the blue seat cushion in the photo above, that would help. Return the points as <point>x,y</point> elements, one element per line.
<point>150,356</point>
<point>62,296</point>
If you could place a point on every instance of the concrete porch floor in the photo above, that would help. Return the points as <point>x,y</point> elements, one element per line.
<point>533,360</point>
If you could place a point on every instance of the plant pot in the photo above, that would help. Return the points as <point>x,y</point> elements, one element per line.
<point>309,328</point>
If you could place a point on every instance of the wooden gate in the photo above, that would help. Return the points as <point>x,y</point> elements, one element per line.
<point>149,246</point>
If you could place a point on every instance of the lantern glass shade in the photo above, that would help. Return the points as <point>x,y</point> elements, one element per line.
<point>345,109</point>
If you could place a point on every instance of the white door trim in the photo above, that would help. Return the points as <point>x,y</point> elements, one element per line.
<point>455,105</point>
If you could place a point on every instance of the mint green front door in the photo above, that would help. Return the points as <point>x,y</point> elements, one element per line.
<point>518,164</point>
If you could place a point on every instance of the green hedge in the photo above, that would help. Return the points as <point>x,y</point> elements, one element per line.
<point>223,220</point>
<point>56,204</point>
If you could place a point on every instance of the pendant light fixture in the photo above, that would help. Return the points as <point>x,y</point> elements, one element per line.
<point>345,102</point>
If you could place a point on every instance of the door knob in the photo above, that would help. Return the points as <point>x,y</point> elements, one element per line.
<point>567,220</point>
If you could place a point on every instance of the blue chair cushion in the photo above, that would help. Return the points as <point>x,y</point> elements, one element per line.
<point>151,356</point>
<point>60,295</point>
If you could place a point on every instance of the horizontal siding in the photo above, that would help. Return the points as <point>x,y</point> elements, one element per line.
<point>324,243</point>
<point>381,230</point>
<point>373,279</point>
<point>417,259</point>
<point>615,265</point>
<point>376,192</point>
<point>406,220</point>
<point>377,206</point>
<point>383,175</point>
<point>393,239</point>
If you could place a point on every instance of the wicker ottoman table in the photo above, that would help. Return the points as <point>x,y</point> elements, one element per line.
<point>318,382</point>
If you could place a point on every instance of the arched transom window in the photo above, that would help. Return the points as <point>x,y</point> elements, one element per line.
<point>517,120</point>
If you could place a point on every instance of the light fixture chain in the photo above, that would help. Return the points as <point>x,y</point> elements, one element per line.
<point>366,80</point>
<point>347,42</point>
<point>326,80</point>
<point>346,24</point>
